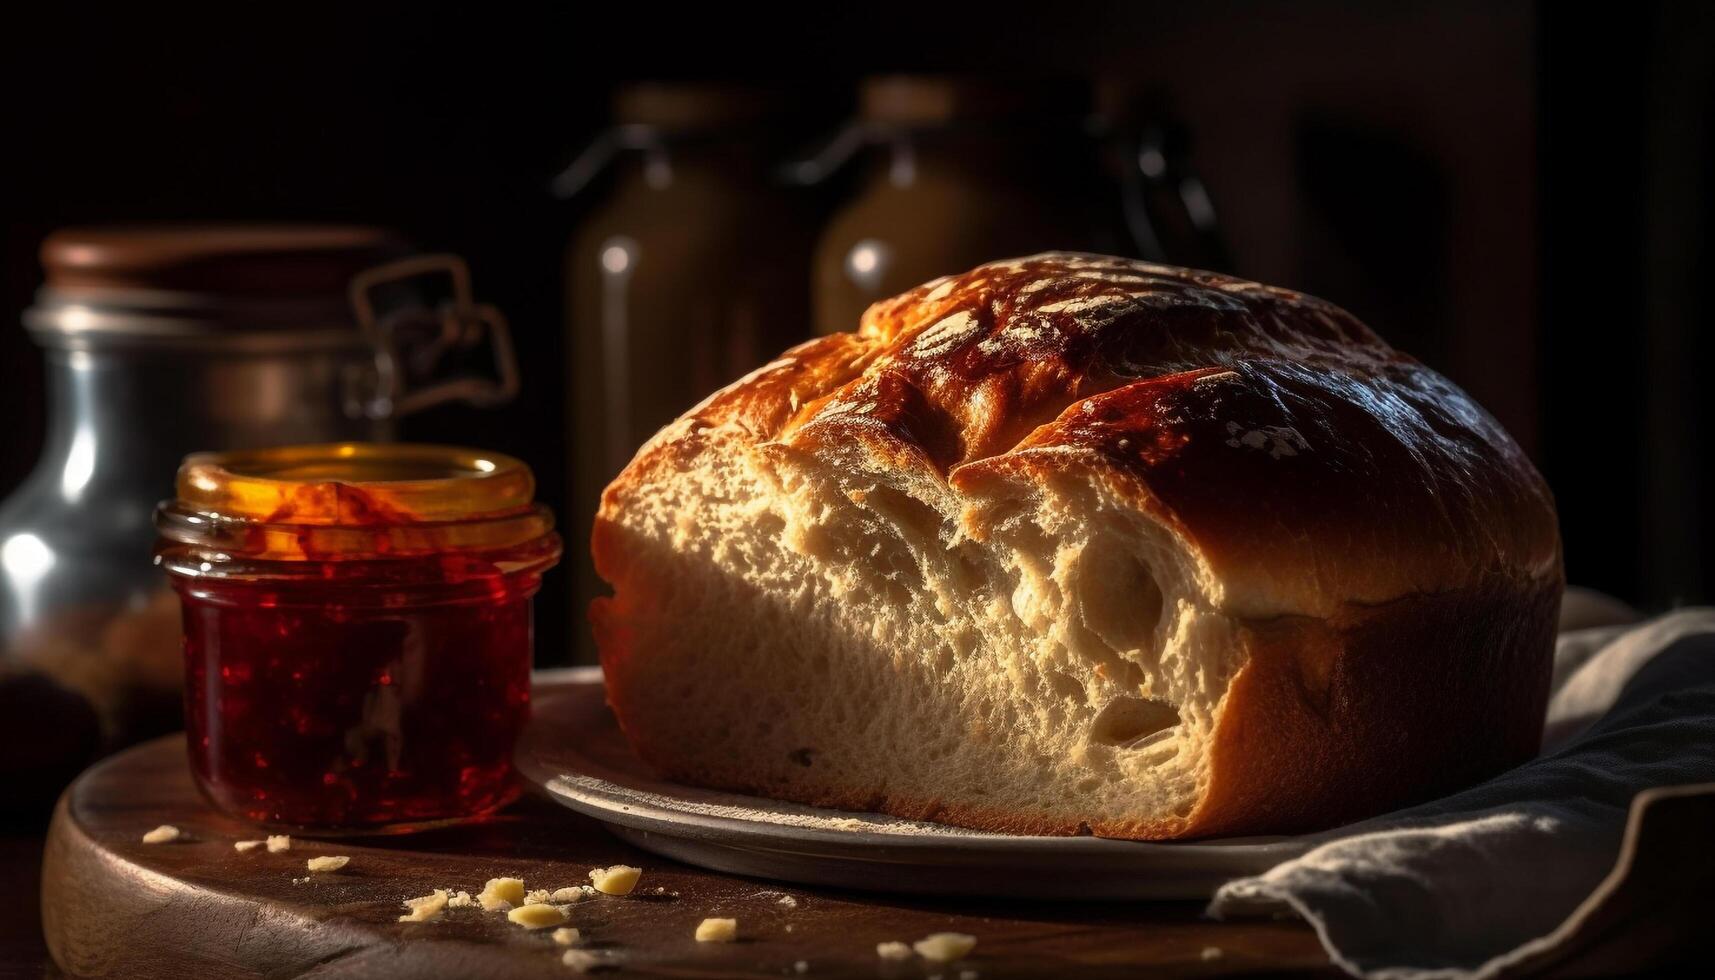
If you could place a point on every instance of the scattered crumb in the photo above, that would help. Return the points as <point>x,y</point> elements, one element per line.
<point>329,863</point>
<point>790,927</point>
<point>893,951</point>
<point>945,947</point>
<point>617,880</point>
<point>537,896</point>
<point>425,908</point>
<point>802,966</point>
<point>968,975</point>
<point>717,930</point>
<point>501,894</point>
<point>460,900</point>
<point>164,834</point>
<point>246,846</point>
<point>278,843</point>
<point>537,916</point>
<point>1212,952</point>
<point>299,881</point>
<point>567,936</point>
<point>583,961</point>
<point>787,901</point>
<point>573,894</point>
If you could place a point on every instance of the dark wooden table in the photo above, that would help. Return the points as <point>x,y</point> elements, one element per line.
<point>23,953</point>
<point>114,906</point>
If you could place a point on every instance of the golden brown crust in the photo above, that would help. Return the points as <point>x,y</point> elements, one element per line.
<point>1391,555</point>
<point>1308,462</point>
<point>1332,720</point>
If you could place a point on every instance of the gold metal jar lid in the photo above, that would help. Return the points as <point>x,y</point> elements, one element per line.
<point>343,501</point>
<point>355,483</point>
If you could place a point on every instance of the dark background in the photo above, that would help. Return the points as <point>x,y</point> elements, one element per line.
<point>1519,194</point>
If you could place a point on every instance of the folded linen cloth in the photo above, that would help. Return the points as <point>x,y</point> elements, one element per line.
<point>1513,874</point>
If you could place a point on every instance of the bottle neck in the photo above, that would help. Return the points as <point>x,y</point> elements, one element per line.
<point>119,421</point>
<point>732,162</point>
<point>1025,154</point>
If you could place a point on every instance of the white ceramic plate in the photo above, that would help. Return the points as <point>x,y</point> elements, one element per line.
<point>574,752</point>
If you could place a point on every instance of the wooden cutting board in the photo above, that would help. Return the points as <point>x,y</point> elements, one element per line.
<point>114,906</point>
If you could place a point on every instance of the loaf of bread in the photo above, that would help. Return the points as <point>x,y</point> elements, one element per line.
<point>1076,544</point>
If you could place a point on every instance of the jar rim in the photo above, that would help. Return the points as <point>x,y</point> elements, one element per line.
<point>355,484</point>
<point>260,512</point>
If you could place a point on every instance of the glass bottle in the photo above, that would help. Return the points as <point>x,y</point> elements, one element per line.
<point>685,271</point>
<point>958,172</point>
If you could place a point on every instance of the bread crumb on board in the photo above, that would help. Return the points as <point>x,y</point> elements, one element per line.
<point>802,966</point>
<point>164,834</point>
<point>537,916</point>
<point>567,936</point>
<point>1212,953</point>
<point>279,843</point>
<point>572,894</point>
<point>425,908</point>
<point>246,846</point>
<point>460,900</point>
<point>945,947</point>
<point>332,862</point>
<point>893,951</point>
<point>501,894</point>
<point>717,930</point>
<point>617,880</point>
<point>584,960</point>
<point>537,896</point>
<point>787,901</point>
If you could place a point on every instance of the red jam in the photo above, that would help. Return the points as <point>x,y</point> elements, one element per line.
<point>358,655</point>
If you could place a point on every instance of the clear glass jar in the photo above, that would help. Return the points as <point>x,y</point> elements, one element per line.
<point>158,342</point>
<point>357,625</point>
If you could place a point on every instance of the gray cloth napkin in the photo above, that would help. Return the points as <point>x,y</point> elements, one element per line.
<point>1492,879</point>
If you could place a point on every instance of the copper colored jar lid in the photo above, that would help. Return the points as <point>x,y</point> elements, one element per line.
<point>222,259</point>
<point>259,286</point>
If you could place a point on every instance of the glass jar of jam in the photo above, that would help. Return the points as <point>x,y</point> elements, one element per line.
<point>357,622</point>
